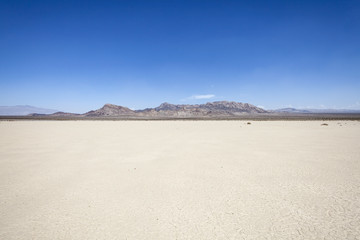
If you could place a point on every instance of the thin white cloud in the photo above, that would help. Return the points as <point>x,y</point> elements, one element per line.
<point>205,96</point>
<point>199,97</point>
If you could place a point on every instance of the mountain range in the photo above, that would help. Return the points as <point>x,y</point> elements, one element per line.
<point>167,110</point>
<point>220,108</point>
<point>211,109</point>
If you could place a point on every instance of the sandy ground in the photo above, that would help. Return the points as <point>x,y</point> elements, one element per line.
<point>179,180</point>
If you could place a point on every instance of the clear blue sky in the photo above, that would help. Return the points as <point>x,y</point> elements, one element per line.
<point>78,55</point>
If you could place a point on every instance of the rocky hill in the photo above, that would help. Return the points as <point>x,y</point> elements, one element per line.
<point>220,109</point>
<point>110,110</point>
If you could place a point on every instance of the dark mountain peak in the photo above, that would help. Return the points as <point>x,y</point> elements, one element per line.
<point>108,105</point>
<point>166,107</point>
<point>166,104</point>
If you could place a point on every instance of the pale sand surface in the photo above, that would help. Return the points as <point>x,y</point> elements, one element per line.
<point>179,180</point>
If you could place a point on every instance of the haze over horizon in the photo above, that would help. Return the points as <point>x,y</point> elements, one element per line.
<point>75,56</point>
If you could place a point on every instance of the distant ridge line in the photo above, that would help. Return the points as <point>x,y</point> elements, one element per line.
<point>210,109</point>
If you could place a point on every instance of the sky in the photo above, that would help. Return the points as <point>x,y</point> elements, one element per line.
<point>76,56</point>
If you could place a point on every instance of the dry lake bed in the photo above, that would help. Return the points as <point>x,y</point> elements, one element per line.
<point>179,180</point>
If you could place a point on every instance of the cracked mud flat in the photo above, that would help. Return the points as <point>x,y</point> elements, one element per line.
<point>179,180</point>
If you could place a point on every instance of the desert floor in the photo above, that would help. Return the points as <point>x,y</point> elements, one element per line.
<point>179,180</point>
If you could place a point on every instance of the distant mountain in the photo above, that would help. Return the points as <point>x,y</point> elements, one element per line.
<point>333,111</point>
<point>110,110</point>
<point>295,110</point>
<point>292,110</point>
<point>64,114</point>
<point>21,110</point>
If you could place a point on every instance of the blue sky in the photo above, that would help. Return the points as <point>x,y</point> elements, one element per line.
<point>78,55</point>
